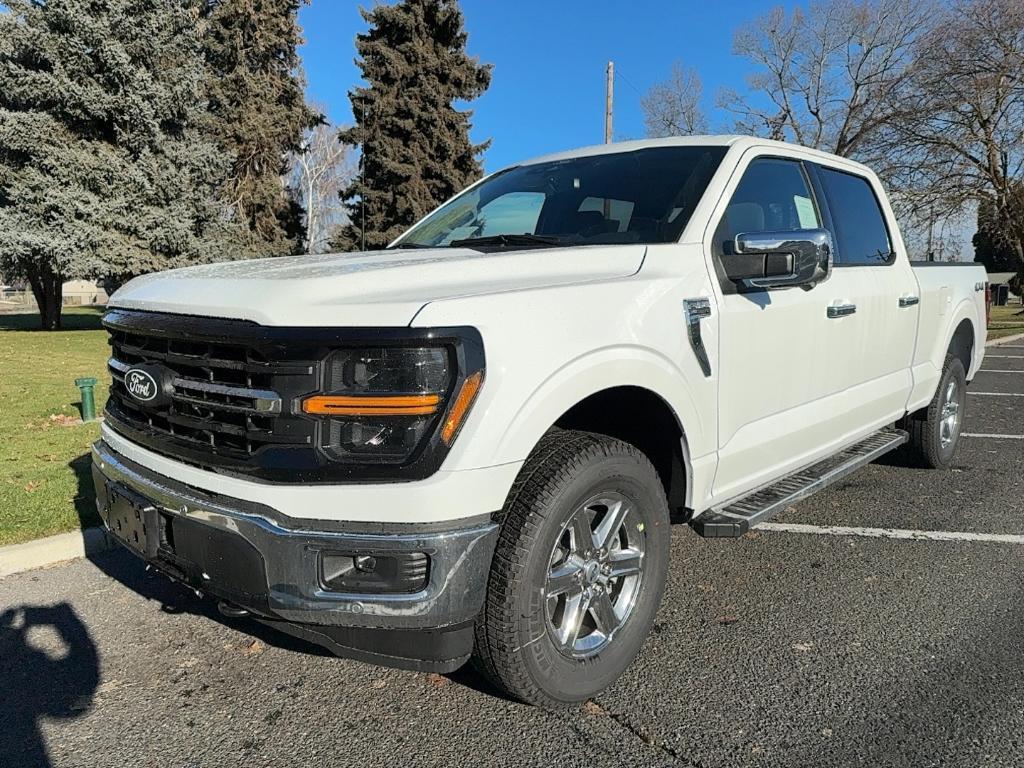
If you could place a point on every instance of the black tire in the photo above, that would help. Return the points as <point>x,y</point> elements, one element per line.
<point>517,646</point>
<point>926,447</point>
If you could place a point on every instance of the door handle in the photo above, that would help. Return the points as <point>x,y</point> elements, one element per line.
<point>908,301</point>
<point>841,310</point>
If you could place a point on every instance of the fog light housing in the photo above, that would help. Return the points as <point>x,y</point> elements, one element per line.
<point>374,573</point>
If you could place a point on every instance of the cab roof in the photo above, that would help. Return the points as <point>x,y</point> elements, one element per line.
<point>727,140</point>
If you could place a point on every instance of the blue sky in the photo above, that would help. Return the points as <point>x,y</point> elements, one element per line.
<point>549,59</point>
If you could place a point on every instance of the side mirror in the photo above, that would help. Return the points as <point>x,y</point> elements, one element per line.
<point>781,259</point>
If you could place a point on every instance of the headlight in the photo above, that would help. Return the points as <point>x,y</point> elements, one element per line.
<point>381,404</point>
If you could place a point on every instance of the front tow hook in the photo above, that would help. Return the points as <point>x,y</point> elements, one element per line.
<point>232,611</point>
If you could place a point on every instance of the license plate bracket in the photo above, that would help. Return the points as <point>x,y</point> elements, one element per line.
<point>133,520</point>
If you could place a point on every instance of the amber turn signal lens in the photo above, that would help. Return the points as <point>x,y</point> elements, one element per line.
<point>364,405</point>
<point>465,398</point>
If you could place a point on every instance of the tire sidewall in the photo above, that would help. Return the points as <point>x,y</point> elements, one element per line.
<point>572,680</point>
<point>954,370</point>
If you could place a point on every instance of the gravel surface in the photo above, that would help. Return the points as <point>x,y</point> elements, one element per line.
<point>775,650</point>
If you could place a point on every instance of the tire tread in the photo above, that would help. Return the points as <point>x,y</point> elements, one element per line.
<point>558,455</point>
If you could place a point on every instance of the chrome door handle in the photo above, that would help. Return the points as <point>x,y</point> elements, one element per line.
<point>841,310</point>
<point>909,301</point>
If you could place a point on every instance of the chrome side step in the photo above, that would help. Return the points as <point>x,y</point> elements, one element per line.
<point>737,517</point>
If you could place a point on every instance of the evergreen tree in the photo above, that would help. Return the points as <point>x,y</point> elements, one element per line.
<point>991,246</point>
<point>416,151</point>
<point>256,98</point>
<point>103,170</point>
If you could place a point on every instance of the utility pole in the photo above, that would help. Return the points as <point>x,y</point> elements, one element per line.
<point>609,95</point>
<point>931,226</point>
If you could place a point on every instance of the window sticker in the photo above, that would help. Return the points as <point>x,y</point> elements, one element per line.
<point>805,212</point>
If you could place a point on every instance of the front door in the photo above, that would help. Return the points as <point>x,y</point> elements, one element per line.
<point>784,357</point>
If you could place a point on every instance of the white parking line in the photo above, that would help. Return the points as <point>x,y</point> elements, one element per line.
<point>890,533</point>
<point>996,370</point>
<point>989,435</point>
<point>998,394</point>
<point>1004,357</point>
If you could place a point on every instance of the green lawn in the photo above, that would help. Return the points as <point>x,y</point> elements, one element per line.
<point>45,480</point>
<point>1006,321</point>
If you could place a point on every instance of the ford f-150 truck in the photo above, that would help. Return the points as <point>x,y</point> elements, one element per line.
<point>470,444</point>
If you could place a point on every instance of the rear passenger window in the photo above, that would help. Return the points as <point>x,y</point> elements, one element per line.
<point>772,195</point>
<point>861,234</point>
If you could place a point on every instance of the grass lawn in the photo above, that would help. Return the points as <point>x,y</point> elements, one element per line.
<point>45,480</point>
<point>1006,321</point>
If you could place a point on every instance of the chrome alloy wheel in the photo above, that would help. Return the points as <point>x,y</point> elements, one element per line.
<point>949,426</point>
<point>594,574</point>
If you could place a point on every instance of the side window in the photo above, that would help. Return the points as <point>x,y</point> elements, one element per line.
<point>772,195</point>
<point>861,234</point>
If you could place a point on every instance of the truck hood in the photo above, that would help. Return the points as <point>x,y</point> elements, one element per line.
<point>376,288</point>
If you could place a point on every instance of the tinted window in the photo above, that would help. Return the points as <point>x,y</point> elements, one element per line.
<point>643,196</point>
<point>772,195</point>
<point>861,236</point>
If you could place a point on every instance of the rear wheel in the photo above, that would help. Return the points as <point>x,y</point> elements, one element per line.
<point>935,430</point>
<point>578,571</point>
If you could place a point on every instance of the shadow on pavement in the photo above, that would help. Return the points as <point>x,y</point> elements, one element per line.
<point>39,680</point>
<point>172,597</point>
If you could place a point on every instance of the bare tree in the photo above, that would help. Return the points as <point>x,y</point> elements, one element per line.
<point>966,142</point>
<point>318,172</point>
<point>672,107</point>
<point>829,77</point>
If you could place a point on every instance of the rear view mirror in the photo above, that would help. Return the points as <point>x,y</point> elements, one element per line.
<point>780,259</point>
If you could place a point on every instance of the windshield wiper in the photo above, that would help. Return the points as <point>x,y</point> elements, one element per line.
<point>401,246</point>
<point>507,240</point>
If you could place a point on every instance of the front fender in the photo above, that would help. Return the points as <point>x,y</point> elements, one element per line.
<point>617,366</point>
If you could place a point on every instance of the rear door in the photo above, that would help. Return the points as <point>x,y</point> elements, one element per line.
<point>878,374</point>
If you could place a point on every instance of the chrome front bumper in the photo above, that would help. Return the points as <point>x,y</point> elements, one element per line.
<point>460,555</point>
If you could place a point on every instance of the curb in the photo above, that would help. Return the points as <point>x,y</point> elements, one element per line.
<point>1004,340</point>
<point>18,558</point>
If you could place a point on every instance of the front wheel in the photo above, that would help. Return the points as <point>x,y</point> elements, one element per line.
<point>935,430</point>
<point>578,571</point>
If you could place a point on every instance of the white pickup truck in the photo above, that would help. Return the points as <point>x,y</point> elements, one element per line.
<point>470,444</point>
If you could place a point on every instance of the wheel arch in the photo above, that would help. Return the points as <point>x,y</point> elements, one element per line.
<point>962,342</point>
<point>644,419</point>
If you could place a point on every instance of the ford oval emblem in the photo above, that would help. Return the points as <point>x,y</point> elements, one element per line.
<point>140,384</point>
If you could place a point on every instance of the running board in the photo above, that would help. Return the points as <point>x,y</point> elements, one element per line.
<point>737,517</point>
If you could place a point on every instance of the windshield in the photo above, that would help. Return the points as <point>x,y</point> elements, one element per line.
<point>642,196</point>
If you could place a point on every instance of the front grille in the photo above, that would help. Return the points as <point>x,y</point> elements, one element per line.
<point>230,392</point>
<point>226,403</point>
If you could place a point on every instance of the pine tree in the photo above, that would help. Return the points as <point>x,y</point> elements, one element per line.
<point>103,170</point>
<point>991,245</point>
<point>416,151</point>
<point>256,98</point>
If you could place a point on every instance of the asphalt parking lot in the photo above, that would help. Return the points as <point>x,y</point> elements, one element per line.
<point>781,649</point>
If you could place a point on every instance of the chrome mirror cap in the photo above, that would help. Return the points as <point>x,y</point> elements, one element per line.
<point>810,251</point>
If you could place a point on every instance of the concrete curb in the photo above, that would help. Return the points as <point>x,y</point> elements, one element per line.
<point>17,558</point>
<point>1005,340</point>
